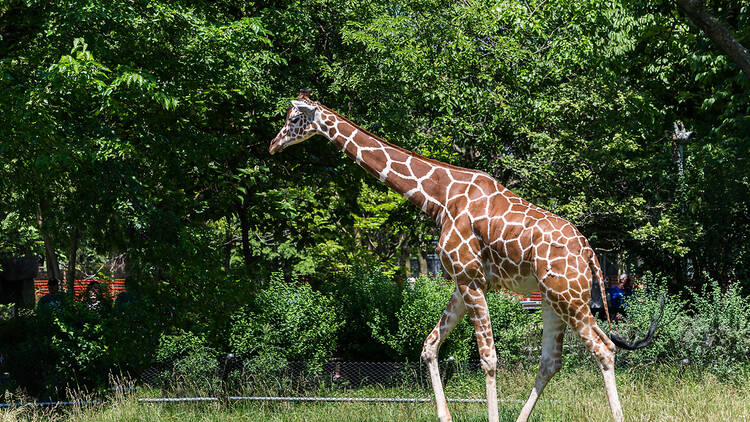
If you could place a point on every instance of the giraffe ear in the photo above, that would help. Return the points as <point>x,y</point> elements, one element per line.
<point>304,107</point>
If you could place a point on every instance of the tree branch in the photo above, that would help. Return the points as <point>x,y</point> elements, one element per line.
<point>717,32</point>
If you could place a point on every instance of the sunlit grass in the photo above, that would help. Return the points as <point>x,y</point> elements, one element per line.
<point>661,394</point>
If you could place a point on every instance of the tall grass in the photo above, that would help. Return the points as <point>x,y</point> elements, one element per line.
<point>648,394</point>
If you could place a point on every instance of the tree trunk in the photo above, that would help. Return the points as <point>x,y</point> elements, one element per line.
<point>72,260</point>
<point>717,32</point>
<point>422,262</point>
<point>405,259</point>
<point>245,229</point>
<point>53,268</point>
<point>357,237</point>
<point>227,246</point>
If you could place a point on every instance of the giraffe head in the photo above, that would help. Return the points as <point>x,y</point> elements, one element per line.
<point>299,124</point>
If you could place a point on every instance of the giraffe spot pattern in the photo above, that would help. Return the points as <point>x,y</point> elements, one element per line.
<point>490,238</point>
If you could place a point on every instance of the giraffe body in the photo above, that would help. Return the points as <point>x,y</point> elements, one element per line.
<point>490,239</point>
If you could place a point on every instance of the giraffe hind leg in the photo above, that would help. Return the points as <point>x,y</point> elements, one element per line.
<point>578,316</point>
<point>551,360</point>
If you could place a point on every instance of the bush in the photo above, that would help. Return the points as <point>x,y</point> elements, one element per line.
<point>368,301</point>
<point>76,345</point>
<point>512,327</point>
<point>423,304</point>
<point>641,308</point>
<point>711,331</point>
<point>285,322</point>
<point>190,361</point>
<point>57,348</point>
<point>133,333</point>
<point>718,337</point>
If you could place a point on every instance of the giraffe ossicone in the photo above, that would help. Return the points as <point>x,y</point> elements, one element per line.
<point>490,239</point>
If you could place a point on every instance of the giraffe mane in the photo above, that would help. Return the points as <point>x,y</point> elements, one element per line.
<point>400,148</point>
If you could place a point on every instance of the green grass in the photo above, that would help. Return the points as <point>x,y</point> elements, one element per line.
<point>661,394</point>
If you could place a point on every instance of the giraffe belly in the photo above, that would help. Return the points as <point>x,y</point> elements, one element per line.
<point>522,281</point>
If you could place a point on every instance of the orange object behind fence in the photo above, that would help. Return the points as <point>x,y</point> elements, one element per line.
<point>110,288</point>
<point>532,301</point>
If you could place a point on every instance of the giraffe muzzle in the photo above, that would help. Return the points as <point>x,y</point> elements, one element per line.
<point>275,146</point>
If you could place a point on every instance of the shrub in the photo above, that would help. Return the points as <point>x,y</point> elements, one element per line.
<point>74,345</point>
<point>58,347</point>
<point>668,342</point>
<point>512,327</point>
<point>711,331</point>
<point>133,333</point>
<point>718,336</point>
<point>285,322</point>
<point>189,359</point>
<point>368,301</point>
<point>423,305</point>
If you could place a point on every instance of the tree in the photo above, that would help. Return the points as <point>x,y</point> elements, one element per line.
<point>718,32</point>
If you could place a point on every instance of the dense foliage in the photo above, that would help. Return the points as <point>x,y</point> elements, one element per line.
<point>285,322</point>
<point>80,346</point>
<point>139,131</point>
<point>709,330</point>
<point>142,127</point>
<point>77,345</point>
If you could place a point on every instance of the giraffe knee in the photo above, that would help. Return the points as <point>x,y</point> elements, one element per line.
<point>430,348</point>
<point>608,361</point>
<point>549,367</point>
<point>605,356</point>
<point>488,360</point>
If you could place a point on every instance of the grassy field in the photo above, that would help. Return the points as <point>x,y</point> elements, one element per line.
<point>664,394</point>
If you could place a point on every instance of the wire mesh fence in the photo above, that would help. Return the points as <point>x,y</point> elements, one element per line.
<point>212,378</point>
<point>237,377</point>
<point>205,375</point>
<point>231,375</point>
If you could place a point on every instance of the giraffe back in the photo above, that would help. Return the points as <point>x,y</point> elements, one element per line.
<point>489,231</point>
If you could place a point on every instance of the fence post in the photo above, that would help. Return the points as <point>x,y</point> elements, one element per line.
<point>449,370</point>
<point>224,394</point>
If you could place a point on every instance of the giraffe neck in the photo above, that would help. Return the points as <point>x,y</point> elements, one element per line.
<point>420,180</point>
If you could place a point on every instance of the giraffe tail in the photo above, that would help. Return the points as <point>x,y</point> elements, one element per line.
<point>596,272</point>
<point>646,340</point>
<point>620,342</point>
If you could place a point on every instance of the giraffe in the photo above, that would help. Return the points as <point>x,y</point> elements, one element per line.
<point>490,238</point>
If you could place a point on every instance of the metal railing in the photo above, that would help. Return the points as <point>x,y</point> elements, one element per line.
<point>238,380</point>
<point>236,374</point>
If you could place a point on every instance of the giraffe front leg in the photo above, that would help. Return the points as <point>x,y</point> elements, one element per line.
<point>551,360</point>
<point>476,305</point>
<point>451,316</point>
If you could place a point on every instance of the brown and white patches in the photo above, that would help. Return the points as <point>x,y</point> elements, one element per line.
<point>417,198</point>
<point>456,206</point>
<point>401,168</point>
<point>480,228</point>
<point>476,306</point>
<point>375,159</point>
<point>420,168</point>
<point>499,205</point>
<point>458,189</point>
<point>434,189</point>
<point>462,176</point>
<point>490,238</point>
<point>474,192</point>
<point>345,129</point>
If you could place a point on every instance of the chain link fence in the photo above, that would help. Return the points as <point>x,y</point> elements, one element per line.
<point>234,376</point>
<point>238,377</point>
